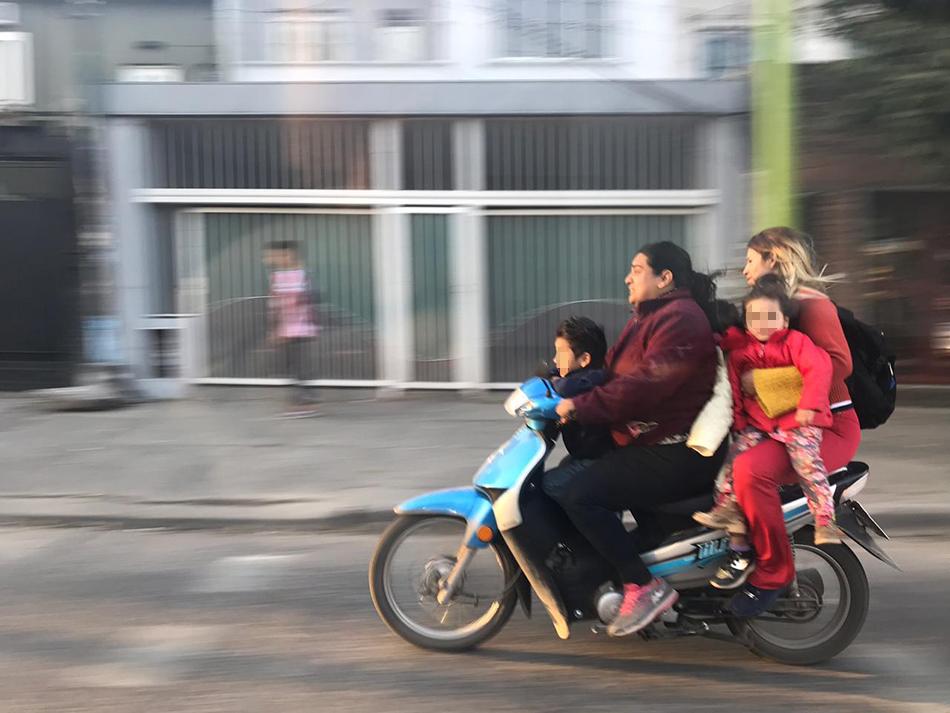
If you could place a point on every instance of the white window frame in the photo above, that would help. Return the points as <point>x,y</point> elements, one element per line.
<point>422,27</point>
<point>708,34</point>
<point>606,36</point>
<point>312,33</point>
<point>19,89</point>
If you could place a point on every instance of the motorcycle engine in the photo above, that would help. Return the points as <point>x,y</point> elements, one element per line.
<point>607,600</point>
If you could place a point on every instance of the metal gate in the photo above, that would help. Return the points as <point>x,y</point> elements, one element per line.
<point>39,326</point>
<point>336,250</point>
<point>544,267</point>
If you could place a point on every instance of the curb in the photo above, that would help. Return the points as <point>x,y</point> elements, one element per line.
<point>355,521</point>
<point>923,396</point>
<point>905,522</point>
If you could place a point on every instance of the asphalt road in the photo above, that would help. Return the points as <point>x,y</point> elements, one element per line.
<point>94,620</point>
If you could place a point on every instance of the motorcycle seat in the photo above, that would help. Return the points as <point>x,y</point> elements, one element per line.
<point>840,479</point>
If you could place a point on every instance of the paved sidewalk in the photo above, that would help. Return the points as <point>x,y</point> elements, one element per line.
<point>224,459</point>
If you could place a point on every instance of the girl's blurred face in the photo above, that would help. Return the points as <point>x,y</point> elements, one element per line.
<point>764,317</point>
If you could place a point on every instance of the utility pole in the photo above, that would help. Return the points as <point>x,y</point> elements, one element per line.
<point>773,114</point>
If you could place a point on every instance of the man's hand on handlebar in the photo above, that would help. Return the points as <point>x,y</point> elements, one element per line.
<point>565,409</point>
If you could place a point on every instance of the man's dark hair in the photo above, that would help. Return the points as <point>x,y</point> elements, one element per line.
<point>585,335</point>
<point>666,255</point>
<point>771,286</point>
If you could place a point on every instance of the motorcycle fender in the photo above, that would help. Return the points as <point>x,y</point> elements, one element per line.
<point>847,519</point>
<point>464,503</point>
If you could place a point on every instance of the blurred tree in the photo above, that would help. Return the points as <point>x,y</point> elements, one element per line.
<point>896,86</point>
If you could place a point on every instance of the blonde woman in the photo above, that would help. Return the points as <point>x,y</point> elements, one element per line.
<point>760,470</point>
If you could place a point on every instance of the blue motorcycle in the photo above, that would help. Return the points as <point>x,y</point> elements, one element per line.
<point>449,572</point>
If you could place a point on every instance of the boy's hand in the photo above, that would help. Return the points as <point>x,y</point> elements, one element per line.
<point>805,417</point>
<point>565,410</point>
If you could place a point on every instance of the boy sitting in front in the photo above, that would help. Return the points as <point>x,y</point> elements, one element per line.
<point>580,348</point>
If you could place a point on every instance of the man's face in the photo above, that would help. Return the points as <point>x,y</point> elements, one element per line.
<point>763,318</point>
<point>642,283</point>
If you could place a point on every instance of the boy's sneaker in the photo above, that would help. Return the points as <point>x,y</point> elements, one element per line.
<point>827,535</point>
<point>734,571</point>
<point>641,605</point>
<point>722,517</point>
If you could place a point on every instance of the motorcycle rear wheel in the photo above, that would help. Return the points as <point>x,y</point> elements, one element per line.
<point>848,580</point>
<point>422,622</point>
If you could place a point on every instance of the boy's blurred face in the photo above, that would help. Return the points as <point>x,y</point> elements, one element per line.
<point>564,357</point>
<point>764,317</point>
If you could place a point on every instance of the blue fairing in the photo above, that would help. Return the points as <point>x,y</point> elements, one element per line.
<point>543,396</point>
<point>518,456</point>
<point>465,503</point>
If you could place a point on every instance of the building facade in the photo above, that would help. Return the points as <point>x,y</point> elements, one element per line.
<point>458,175</point>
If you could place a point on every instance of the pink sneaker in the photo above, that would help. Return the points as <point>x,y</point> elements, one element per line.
<point>641,605</point>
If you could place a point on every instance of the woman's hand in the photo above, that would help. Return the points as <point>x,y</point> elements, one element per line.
<point>748,383</point>
<point>805,417</point>
<point>565,410</point>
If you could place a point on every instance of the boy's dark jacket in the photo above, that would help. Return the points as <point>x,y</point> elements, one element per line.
<point>583,442</point>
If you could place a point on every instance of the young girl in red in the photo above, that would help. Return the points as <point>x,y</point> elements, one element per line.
<point>767,342</point>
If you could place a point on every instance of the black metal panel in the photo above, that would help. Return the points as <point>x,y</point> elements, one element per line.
<point>39,323</point>
<point>260,153</point>
<point>427,155</point>
<point>591,153</point>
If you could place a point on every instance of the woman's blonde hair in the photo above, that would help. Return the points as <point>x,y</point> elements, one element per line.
<point>794,258</point>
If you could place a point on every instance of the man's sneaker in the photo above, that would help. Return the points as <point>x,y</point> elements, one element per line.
<point>827,535</point>
<point>722,517</point>
<point>735,570</point>
<point>753,601</point>
<point>641,605</point>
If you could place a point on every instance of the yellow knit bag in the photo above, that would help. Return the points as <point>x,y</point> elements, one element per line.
<point>778,390</point>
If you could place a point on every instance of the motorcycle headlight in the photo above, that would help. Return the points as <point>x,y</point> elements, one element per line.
<point>517,402</point>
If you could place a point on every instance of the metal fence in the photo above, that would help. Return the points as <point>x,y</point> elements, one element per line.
<point>591,153</point>
<point>544,268</point>
<point>427,155</point>
<point>286,153</point>
<point>436,287</point>
<point>431,298</point>
<point>336,250</point>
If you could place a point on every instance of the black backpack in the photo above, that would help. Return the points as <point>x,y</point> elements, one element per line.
<point>872,384</point>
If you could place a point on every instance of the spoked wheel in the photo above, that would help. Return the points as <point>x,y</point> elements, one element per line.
<point>825,615</point>
<point>412,560</point>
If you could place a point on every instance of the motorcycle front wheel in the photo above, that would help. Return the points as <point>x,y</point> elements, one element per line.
<point>826,615</point>
<point>414,555</point>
